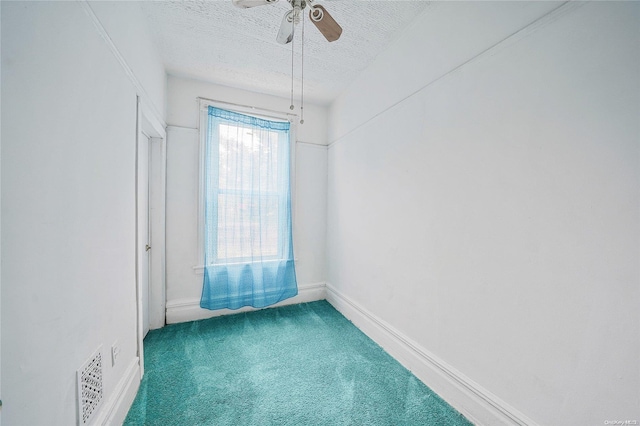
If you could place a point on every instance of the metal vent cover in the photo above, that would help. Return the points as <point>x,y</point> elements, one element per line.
<point>90,390</point>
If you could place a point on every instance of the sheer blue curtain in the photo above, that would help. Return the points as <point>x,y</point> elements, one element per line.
<point>248,239</point>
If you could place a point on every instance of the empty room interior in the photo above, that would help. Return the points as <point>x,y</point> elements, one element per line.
<point>320,212</point>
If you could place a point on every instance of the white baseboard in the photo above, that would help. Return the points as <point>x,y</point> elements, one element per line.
<point>476,403</point>
<point>116,409</point>
<point>183,310</point>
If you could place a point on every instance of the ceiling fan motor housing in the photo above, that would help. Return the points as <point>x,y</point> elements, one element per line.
<point>325,23</point>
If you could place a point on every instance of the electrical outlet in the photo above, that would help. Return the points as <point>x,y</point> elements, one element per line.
<point>115,351</point>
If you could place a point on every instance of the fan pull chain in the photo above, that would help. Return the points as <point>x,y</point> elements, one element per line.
<point>302,85</point>
<point>292,43</point>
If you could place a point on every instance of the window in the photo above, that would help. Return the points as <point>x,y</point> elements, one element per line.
<point>248,248</point>
<point>249,210</point>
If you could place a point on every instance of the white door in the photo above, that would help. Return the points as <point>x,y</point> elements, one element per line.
<point>144,242</point>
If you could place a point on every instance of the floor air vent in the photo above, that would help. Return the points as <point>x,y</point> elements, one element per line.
<point>90,391</point>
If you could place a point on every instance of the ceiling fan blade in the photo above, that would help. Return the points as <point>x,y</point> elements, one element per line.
<point>325,23</point>
<point>285,35</point>
<point>245,4</point>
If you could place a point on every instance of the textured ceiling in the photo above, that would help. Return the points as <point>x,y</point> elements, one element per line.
<point>217,42</point>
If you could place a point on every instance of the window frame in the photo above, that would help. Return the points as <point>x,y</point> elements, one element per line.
<point>203,113</point>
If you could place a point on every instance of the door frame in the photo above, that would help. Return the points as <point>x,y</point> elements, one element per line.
<point>148,125</point>
<point>144,218</point>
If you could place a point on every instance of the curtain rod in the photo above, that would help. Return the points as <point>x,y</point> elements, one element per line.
<point>199,98</point>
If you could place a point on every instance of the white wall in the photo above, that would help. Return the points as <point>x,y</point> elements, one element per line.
<point>68,210</point>
<point>491,216</point>
<point>0,227</point>
<point>184,284</point>
<point>125,22</point>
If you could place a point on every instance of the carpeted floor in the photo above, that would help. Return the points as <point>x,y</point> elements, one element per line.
<point>295,365</point>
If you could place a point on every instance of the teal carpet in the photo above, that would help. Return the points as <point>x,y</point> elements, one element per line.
<point>295,365</point>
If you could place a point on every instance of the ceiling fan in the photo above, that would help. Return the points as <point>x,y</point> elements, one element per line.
<point>317,14</point>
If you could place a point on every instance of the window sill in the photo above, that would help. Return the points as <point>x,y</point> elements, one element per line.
<point>199,269</point>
